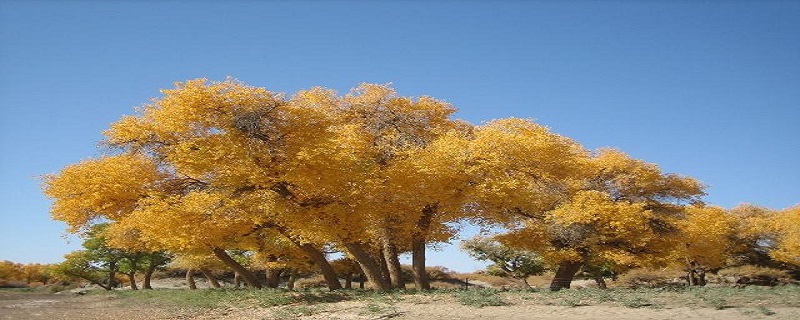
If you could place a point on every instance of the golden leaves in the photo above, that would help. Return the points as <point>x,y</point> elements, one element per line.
<point>212,164</point>
<point>786,226</point>
<point>108,187</point>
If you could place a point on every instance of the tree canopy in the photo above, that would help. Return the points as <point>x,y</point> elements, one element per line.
<point>214,167</point>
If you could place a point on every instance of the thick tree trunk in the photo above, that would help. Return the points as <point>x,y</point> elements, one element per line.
<point>273,277</point>
<point>564,275</point>
<point>93,281</point>
<point>390,255</point>
<point>418,242</point>
<point>382,266</point>
<point>212,280</point>
<point>148,275</point>
<point>322,263</point>
<point>248,276</point>
<point>132,279</point>
<point>190,279</point>
<point>317,256</point>
<point>696,275</point>
<point>348,281</point>
<point>112,275</point>
<point>369,266</point>
<point>418,264</point>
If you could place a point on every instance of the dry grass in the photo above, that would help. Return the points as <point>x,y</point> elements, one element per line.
<point>649,278</point>
<point>762,274</point>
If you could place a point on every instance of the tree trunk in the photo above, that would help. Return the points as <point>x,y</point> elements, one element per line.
<point>237,280</point>
<point>331,278</point>
<point>696,275</point>
<point>369,266</point>
<point>292,279</point>
<point>132,279</point>
<point>148,275</point>
<point>564,275</point>
<point>317,256</point>
<point>273,277</point>
<point>418,242</point>
<point>390,255</point>
<point>212,280</point>
<point>383,266</point>
<point>525,281</point>
<point>601,282</point>
<point>93,281</point>
<point>418,264</point>
<point>190,279</point>
<point>112,275</point>
<point>248,276</point>
<point>348,281</point>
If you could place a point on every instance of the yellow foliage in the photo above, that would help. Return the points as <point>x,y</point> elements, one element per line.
<point>218,164</point>
<point>109,188</point>
<point>522,167</point>
<point>786,225</point>
<point>706,235</point>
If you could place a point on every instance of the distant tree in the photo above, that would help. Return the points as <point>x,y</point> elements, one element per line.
<point>83,264</point>
<point>607,209</point>
<point>99,263</point>
<point>506,261</point>
<point>348,270</point>
<point>204,262</point>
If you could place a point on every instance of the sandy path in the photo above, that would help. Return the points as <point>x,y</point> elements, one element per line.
<point>26,305</point>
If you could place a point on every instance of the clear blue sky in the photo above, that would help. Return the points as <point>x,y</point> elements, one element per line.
<point>709,89</point>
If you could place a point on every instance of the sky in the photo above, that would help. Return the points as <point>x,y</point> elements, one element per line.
<point>708,89</point>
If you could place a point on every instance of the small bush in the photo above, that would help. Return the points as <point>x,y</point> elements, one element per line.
<point>755,275</point>
<point>311,282</point>
<point>636,302</point>
<point>380,306</point>
<point>12,284</point>
<point>765,311</point>
<point>480,298</point>
<point>647,278</point>
<point>437,273</point>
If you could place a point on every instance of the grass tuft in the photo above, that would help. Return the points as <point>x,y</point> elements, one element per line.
<point>480,298</point>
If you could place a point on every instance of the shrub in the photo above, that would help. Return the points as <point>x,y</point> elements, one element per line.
<point>481,298</point>
<point>439,273</point>
<point>12,284</point>
<point>311,282</point>
<point>755,275</point>
<point>648,278</point>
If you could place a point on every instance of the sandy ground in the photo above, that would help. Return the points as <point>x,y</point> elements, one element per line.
<point>31,305</point>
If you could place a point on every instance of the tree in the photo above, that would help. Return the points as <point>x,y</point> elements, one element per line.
<point>99,262</point>
<point>787,236</point>
<point>612,211</point>
<point>26,273</point>
<point>509,262</point>
<point>771,236</point>
<point>705,241</point>
<point>309,168</point>
<point>203,261</point>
